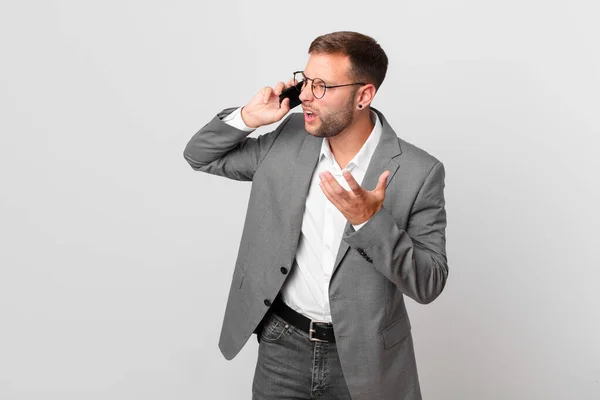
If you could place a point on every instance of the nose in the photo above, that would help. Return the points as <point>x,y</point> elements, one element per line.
<point>306,93</point>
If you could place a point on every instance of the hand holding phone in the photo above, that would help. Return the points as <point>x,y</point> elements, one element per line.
<point>265,109</point>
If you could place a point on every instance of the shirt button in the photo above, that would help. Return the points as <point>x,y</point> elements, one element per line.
<point>284,270</point>
<point>268,303</point>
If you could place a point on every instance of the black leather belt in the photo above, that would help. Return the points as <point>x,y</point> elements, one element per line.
<point>317,331</point>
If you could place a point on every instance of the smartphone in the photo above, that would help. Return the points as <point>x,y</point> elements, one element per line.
<point>293,93</point>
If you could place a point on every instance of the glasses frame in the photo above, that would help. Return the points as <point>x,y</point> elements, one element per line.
<point>325,86</point>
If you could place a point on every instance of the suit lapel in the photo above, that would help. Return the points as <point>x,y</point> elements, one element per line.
<point>383,159</point>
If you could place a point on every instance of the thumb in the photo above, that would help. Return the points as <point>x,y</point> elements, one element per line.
<point>383,180</point>
<point>284,108</point>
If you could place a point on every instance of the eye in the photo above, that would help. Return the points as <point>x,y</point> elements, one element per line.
<point>319,84</point>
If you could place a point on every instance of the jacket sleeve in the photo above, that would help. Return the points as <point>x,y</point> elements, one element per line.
<point>220,149</point>
<point>413,259</point>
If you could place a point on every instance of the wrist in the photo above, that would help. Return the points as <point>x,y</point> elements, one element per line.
<point>249,123</point>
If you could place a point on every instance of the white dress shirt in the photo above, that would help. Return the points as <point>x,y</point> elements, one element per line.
<point>306,290</point>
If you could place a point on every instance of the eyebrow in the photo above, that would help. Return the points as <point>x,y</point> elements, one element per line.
<point>326,81</point>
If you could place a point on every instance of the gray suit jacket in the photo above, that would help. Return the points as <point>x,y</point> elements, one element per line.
<point>400,251</point>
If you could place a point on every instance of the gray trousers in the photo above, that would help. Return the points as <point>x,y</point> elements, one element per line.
<point>291,367</point>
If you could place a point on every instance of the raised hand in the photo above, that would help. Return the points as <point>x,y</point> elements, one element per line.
<point>357,204</point>
<point>264,108</point>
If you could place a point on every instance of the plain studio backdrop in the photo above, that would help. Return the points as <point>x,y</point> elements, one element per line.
<point>116,257</point>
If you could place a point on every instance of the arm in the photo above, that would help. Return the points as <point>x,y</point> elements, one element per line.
<point>222,149</point>
<point>413,259</point>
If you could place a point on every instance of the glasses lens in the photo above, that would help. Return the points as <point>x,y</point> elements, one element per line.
<point>318,88</point>
<point>299,78</point>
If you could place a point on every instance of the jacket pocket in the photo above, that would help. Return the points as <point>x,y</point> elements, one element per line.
<point>396,332</point>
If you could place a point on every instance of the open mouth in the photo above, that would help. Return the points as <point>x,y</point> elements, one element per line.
<point>309,116</point>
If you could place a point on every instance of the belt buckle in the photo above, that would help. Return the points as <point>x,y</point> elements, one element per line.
<point>311,331</point>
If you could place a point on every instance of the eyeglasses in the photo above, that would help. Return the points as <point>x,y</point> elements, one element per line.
<point>318,86</point>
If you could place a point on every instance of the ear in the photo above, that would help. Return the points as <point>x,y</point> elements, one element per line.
<point>366,95</point>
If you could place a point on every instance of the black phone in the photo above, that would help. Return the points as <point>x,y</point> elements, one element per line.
<point>293,93</point>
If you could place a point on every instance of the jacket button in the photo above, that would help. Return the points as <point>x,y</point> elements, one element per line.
<point>360,251</point>
<point>268,303</point>
<point>284,270</point>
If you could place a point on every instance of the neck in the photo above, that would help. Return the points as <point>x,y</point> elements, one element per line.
<point>348,142</point>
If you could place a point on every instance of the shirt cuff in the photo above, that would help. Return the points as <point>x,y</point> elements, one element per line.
<point>357,227</point>
<point>235,119</point>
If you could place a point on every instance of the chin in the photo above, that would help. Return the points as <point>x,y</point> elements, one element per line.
<point>310,129</point>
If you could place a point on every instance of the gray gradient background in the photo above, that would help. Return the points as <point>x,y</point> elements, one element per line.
<point>116,257</point>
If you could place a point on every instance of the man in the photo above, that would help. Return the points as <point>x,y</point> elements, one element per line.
<point>344,219</point>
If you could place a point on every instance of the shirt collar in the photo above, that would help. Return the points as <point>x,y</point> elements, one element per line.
<point>363,157</point>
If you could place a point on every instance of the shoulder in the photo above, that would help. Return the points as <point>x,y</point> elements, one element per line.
<point>409,154</point>
<point>416,155</point>
<point>295,121</point>
<point>291,131</point>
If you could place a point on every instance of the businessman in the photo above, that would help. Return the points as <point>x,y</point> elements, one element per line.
<point>344,220</point>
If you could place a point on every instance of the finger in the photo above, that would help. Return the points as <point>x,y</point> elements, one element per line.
<point>354,186</point>
<point>381,184</point>
<point>279,88</point>
<point>290,83</point>
<point>284,108</point>
<point>332,199</point>
<point>383,180</point>
<point>266,93</point>
<point>335,189</point>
